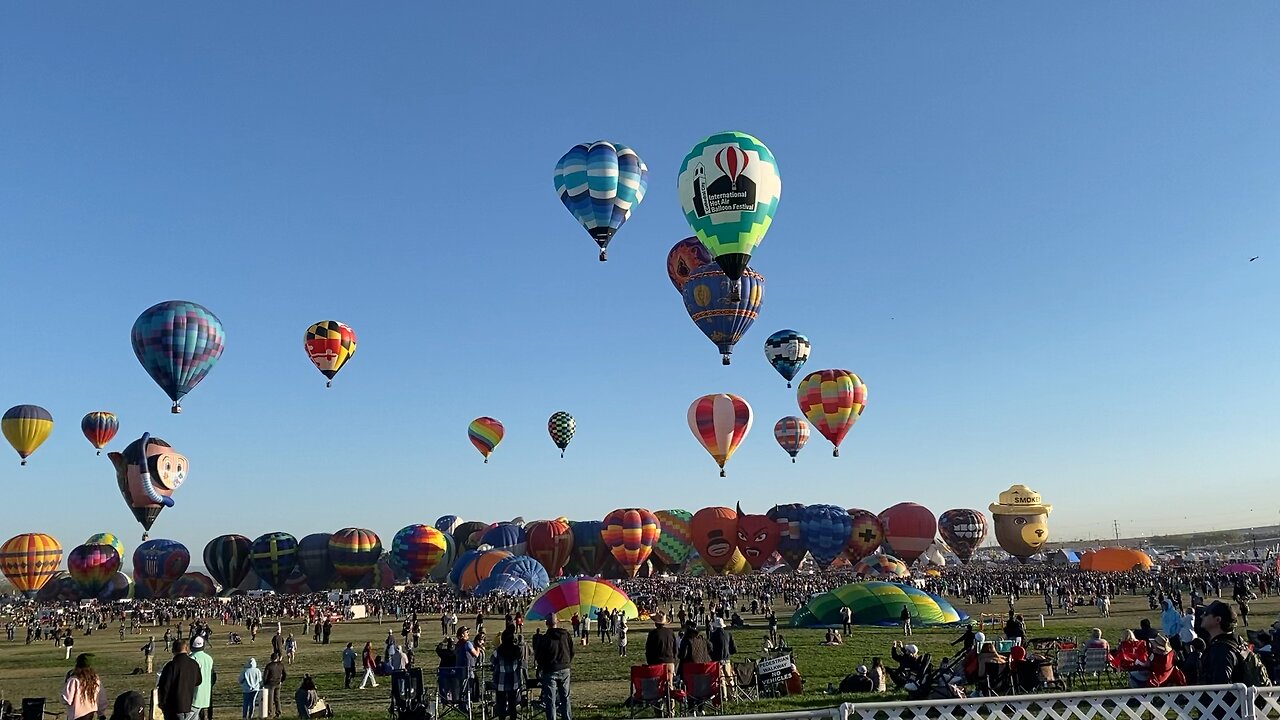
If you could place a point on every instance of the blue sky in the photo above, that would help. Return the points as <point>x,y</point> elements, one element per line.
<point>1026,226</point>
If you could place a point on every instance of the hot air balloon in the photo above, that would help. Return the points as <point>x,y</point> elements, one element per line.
<point>505,536</point>
<point>729,189</point>
<point>156,564</point>
<point>178,343</point>
<point>354,552</point>
<point>683,258</point>
<point>715,532</point>
<point>865,535</point>
<point>584,597</point>
<point>26,427</point>
<point>329,344</point>
<point>833,401</point>
<point>630,534</point>
<point>786,351</point>
<point>601,184</point>
<point>525,568</point>
<point>462,534</point>
<point>60,588</point>
<point>826,530</point>
<point>791,433</point>
<point>675,542</point>
<point>226,557</point>
<point>147,473</point>
<point>108,539</point>
<point>416,550</point>
<point>909,529</point>
<point>313,560</point>
<point>589,550</point>
<point>479,567</point>
<point>118,587</point>
<point>193,585</point>
<point>273,556</point>
<point>720,422</point>
<point>503,584</point>
<point>550,542</point>
<point>561,426</point>
<point>1021,521</point>
<point>723,317</point>
<point>99,428</point>
<point>963,530</point>
<point>29,560</point>
<point>757,539</point>
<point>92,566</point>
<point>485,433</point>
<point>447,523</point>
<point>792,547</point>
<point>440,573</point>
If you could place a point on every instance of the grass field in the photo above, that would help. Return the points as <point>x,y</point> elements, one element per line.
<point>599,681</point>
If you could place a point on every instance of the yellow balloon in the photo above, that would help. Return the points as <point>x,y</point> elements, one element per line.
<point>26,427</point>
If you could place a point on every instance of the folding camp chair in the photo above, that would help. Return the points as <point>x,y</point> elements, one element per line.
<point>745,688</point>
<point>408,696</point>
<point>649,690</point>
<point>453,692</point>
<point>1097,663</point>
<point>1068,668</point>
<point>701,687</point>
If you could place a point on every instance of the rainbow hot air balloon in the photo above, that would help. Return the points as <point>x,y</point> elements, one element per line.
<point>92,566</point>
<point>26,427</point>
<point>583,597</point>
<point>313,560</point>
<point>329,344</point>
<point>865,535</point>
<point>561,426</point>
<point>791,433</point>
<point>178,343</point>
<point>909,529</point>
<point>108,539</point>
<point>601,183</point>
<point>720,422</point>
<point>416,549</point>
<point>683,258</point>
<point>273,556</point>
<point>99,428</point>
<point>550,542</point>
<point>485,433</point>
<point>722,316</point>
<point>354,552</point>
<point>729,189</point>
<point>675,542</point>
<point>963,530</point>
<point>156,564</point>
<point>786,351</point>
<point>29,560</point>
<point>630,534</point>
<point>826,530</point>
<point>832,400</point>
<point>792,547</point>
<point>226,557</point>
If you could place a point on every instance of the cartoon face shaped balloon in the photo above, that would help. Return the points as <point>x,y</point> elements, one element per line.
<point>1022,521</point>
<point>147,473</point>
<point>757,538</point>
<point>683,259</point>
<point>715,532</point>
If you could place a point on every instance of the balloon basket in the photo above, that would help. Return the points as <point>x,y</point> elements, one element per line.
<point>562,454</point>
<point>176,409</point>
<point>604,255</point>
<point>486,461</point>
<point>722,472</point>
<point>835,452</point>
<point>793,461</point>
<point>329,384</point>
<point>24,462</point>
<point>788,383</point>
<point>724,359</point>
<point>98,453</point>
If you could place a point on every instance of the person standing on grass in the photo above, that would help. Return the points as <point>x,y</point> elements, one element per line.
<point>273,677</point>
<point>370,664</point>
<point>509,675</point>
<point>290,648</point>
<point>148,655</point>
<point>208,678</point>
<point>554,656</point>
<point>904,618</point>
<point>178,682</point>
<point>348,666</point>
<point>465,655</point>
<point>83,693</point>
<point>250,686</point>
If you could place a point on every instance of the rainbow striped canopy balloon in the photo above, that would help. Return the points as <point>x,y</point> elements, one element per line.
<point>354,552</point>
<point>886,567</point>
<point>832,400</point>
<point>29,560</point>
<point>584,596</point>
<point>99,428</point>
<point>92,566</point>
<point>485,433</point>
<point>630,534</point>
<point>675,542</point>
<point>416,550</point>
<point>720,422</point>
<point>178,343</point>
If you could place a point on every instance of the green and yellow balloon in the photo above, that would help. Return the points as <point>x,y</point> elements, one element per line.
<point>729,188</point>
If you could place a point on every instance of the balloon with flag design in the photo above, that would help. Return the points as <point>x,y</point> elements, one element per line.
<point>178,343</point>
<point>329,345</point>
<point>485,433</point>
<point>156,564</point>
<point>791,433</point>
<point>630,534</point>
<point>273,556</point>
<point>601,183</point>
<point>99,427</point>
<point>786,351</point>
<point>832,401</point>
<point>720,422</point>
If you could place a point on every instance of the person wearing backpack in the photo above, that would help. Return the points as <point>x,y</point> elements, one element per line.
<point>1227,659</point>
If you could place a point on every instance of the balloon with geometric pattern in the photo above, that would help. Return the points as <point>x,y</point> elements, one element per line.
<point>416,549</point>
<point>108,539</point>
<point>792,548</point>
<point>630,534</point>
<point>786,351</point>
<point>720,422</point>
<point>329,344</point>
<point>601,183</point>
<point>963,530</point>
<point>273,557</point>
<point>791,433</point>
<point>99,428</point>
<point>29,560</point>
<point>178,343</point>
<point>675,542</point>
<point>485,433</point>
<point>92,566</point>
<point>561,426</point>
<point>26,427</point>
<point>866,535</point>
<point>832,400</point>
<point>722,317</point>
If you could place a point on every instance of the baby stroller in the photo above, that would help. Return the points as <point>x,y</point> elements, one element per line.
<point>408,700</point>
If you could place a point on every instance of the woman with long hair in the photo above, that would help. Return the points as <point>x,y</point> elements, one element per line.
<point>370,665</point>
<point>509,674</point>
<point>83,692</point>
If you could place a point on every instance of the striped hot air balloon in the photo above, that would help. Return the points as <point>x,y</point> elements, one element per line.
<point>354,552</point>
<point>29,560</point>
<point>26,427</point>
<point>99,427</point>
<point>601,183</point>
<point>485,433</point>
<point>720,422</point>
<point>832,400</point>
<point>416,550</point>
<point>630,534</point>
<point>791,433</point>
<point>226,557</point>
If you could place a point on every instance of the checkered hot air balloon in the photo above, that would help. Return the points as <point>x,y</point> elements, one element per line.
<point>329,344</point>
<point>720,422</point>
<point>832,400</point>
<point>865,536</point>
<point>729,189</point>
<point>416,550</point>
<point>99,428</point>
<point>601,183</point>
<point>675,542</point>
<point>26,427</point>
<point>29,560</point>
<point>485,433</point>
<point>561,426</point>
<point>710,300</point>
<point>178,343</point>
<point>787,351</point>
<point>791,433</point>
<point>630,534</point>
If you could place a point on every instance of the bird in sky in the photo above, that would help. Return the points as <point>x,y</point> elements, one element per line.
<point>1255,257</point>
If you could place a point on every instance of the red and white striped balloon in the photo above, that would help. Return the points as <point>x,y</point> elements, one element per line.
<point>720,422</point>
<point>791,433</point>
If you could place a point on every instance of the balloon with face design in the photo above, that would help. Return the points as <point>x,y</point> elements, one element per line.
<point>147,473</point>
<point>758,538</point>
<point>715,531</point>
<point>1022,521</point>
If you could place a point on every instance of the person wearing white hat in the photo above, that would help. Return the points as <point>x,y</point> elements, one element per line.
<point>208,678</point>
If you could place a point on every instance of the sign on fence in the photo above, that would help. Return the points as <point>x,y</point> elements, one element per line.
<point>772,671</point>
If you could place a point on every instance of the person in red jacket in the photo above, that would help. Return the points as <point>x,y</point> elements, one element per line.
<point>370,667</point>
<point>1158,666</point>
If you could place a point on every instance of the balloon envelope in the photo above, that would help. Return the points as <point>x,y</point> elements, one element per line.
<point>964,531</point>
<point>226,557</point>
<point>561,427</point>
<point>582,596</point>
<point>550,542</point>
<point>792,433</point>
<point>313,560</point>
<point>156,564</point>
<point>909,529</point>
<point>525,568</point>
<point>787,351</point>
<point>329,345</point>
<point>193,585</point>
<point>178,343</point>
<point>715,531</point>
<point>720,422</point>
<point>589,550</point>
<point>99,428</point>
<point>630,534</point>
<point>832,401</point>
<point>26,427</point>
<point>273,556</point>
<point>485,433</point>
<point>723,309</point>
<point>826,530</point>
<point>354,552</point>
<point>675,542</point>
<point>29,561</point>
<point>601,183</point>
<point>416,550</point>
<point>92,566</point>
<point>792,548</point>
<point>865,536</point>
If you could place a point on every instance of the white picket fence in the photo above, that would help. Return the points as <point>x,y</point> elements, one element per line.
<point>1211,702</point>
